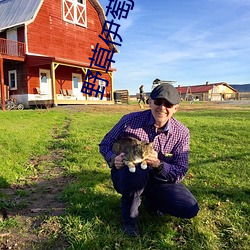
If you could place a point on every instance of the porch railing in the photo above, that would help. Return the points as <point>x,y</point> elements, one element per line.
<point>12,48</point>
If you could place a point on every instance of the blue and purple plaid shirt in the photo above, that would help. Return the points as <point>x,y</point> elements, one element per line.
<point>172,144</point>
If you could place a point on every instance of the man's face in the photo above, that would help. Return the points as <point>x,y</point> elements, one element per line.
<point>162,110</point>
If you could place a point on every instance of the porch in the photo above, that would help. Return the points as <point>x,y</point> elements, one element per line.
<point>67,97</point>
<point>9,50</point>
<point>50,103</point>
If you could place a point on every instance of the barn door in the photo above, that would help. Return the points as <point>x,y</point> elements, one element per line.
<point>12,48</point>
<point>77,84</point>
<point>45,83</point>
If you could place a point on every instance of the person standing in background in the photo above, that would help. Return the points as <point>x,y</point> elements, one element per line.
<point>142,97</point>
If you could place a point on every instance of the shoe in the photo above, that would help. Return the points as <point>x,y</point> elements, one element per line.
<point>131,230</point>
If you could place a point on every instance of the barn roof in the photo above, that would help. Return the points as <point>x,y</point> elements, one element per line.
<point>17,12</point>
<point>201,88</point>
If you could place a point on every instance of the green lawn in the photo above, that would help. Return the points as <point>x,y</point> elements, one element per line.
<point>218,176</point>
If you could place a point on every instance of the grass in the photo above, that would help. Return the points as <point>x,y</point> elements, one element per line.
<point>218,177</point>
<point>24,135</point>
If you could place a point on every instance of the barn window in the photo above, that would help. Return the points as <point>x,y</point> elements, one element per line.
<point>43,77</point>
<point>12,80</point>
<point>74,11</point>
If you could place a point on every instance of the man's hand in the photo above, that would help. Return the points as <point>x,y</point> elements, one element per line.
<point>119,161</point>
<point>153,160</point>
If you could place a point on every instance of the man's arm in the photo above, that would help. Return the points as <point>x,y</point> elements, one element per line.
<point>175,170</point>
<point>106,144</point>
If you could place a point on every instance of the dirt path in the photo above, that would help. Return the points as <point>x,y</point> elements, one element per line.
<point>34,203</point>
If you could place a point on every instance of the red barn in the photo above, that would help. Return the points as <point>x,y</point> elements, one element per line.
<point>45,50</point>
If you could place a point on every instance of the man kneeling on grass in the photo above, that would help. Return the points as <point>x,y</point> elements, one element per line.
<point>160,184</point>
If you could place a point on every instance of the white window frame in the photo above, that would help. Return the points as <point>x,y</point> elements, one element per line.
<point>15,83</point>
<point>79,15</point>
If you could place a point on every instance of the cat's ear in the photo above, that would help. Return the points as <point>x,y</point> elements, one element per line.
<point>151,144</point>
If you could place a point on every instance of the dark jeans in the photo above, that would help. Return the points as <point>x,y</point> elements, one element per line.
<point>142,98</point>
<point>168,198</point>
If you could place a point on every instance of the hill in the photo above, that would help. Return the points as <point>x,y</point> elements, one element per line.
<point>241,87</point>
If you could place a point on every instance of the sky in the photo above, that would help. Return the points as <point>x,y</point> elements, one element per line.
<point>187,41</point>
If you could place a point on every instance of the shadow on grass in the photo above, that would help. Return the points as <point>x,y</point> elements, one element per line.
<point>3,182</point>
<point>94,219</point>
<point>227,210</point>
<point>214,159</point>
<point>216,193</point>
<point>31,212</point>
<point>220,185</point>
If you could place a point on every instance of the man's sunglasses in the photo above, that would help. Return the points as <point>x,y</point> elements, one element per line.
<point>159,102</point>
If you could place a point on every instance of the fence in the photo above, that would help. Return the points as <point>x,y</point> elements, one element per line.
<point>244,96</point>
<point>217,96</point>
<point>12,48</point>
<point>121,96</point>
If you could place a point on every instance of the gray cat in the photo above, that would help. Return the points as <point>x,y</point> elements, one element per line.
<point>135,151</point>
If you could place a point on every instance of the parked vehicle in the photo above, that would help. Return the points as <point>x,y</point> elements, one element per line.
<point>12,104</point>
<point>157,82</point>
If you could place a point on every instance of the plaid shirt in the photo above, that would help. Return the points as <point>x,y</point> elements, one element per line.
<point>172,145</point>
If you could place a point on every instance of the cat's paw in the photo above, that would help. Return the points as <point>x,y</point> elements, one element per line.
<point>132,170</point>
<point>144,166</point>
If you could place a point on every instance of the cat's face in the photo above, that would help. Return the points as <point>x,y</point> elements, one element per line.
<point>146,148</point>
